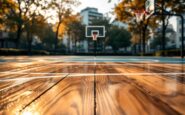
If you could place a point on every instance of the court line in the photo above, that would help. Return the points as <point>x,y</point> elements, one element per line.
<point>99,64</point>
<point>37,67</point>
<point>105,61</point>
<point>126,74</point>
<point>154,61</point>
<point>95,103</point>
<point>27,79</point>
<point>123,63</point>
<point>95,63</point>
<point>31,73</point>
<point>30,78</point>
<point>86,74</point>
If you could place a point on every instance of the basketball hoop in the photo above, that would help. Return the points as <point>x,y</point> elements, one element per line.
<point>95,35</point>
<point>139,15</point>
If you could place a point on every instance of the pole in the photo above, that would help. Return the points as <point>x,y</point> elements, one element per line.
<point>163,30</point>
<point>95,45</point>
<point>182,35</point>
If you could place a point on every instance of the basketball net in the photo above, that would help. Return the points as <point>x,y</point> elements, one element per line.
<point>139,16</point>
<point>94,35</point>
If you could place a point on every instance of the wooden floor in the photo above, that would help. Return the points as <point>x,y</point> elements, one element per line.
<point>92,88</point>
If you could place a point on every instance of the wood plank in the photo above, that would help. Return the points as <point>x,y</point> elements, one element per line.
<point>47,69</point>
<point>115,95</point>
<point>118,95</point>
<point>72,96</point>
<point>22,92</point>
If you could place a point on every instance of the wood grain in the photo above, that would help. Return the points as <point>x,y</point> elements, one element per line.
<point>72,96</point>
<point>49,92</point>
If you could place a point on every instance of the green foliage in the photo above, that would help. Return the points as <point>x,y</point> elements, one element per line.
<point>77,30</point>
<point>48,39</point>
<point>119,38</point>
<point>11,51</point>
<point>26,18</point>
<point>157,41</point>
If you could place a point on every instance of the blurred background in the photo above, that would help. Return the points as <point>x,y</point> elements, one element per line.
<point>57,27</point>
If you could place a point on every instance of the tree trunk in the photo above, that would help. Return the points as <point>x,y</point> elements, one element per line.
<point>163,36</point>
<point>144,39</point>
<point>69,42</point>
<point>140,42</point>
<point>126,49</point>
<point>104,45</point>
<point>2,43</point>
<point>163,31</point>
<point>135,49</point>
<point>29,39</point>
<point>75,45</point>
<point>56,37</point>
<point>30,45</point>
<point>19,31</point>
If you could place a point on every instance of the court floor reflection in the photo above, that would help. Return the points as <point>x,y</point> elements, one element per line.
<point>43,87</point>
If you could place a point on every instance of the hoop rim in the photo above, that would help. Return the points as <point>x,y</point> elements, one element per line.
<point>139,15</point>
<point>94,36</point>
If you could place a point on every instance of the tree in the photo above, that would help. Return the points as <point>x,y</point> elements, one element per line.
<point>119,38</point>
<point>63,10</point>
<point>72,27</point>
<point>48,39</point>
<point>125,12</point>
<point>77,31</point>
<point>157,42</point>
<point>158,39</point>
<point>163,8</point>
<point>34,28</point>
<point>19,13</point>
<point>136,36</point>
<point>5,23</point>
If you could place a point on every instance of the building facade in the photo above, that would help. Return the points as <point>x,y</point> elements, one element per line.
<point>170,38</point>
<point>179,31</point>
<point>88,14</point>
<point>119,24</point>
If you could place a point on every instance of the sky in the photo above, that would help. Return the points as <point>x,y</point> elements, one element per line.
<point>103,5</point>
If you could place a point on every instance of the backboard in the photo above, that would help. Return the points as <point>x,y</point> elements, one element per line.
<point>149,8</point>
<point>99,30</point>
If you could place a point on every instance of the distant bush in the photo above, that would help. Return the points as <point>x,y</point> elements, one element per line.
<point>105,54</point>
<point>173,52</point>
<point>11,51</point>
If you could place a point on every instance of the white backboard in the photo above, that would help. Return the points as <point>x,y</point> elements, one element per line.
<point>99,29</point>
